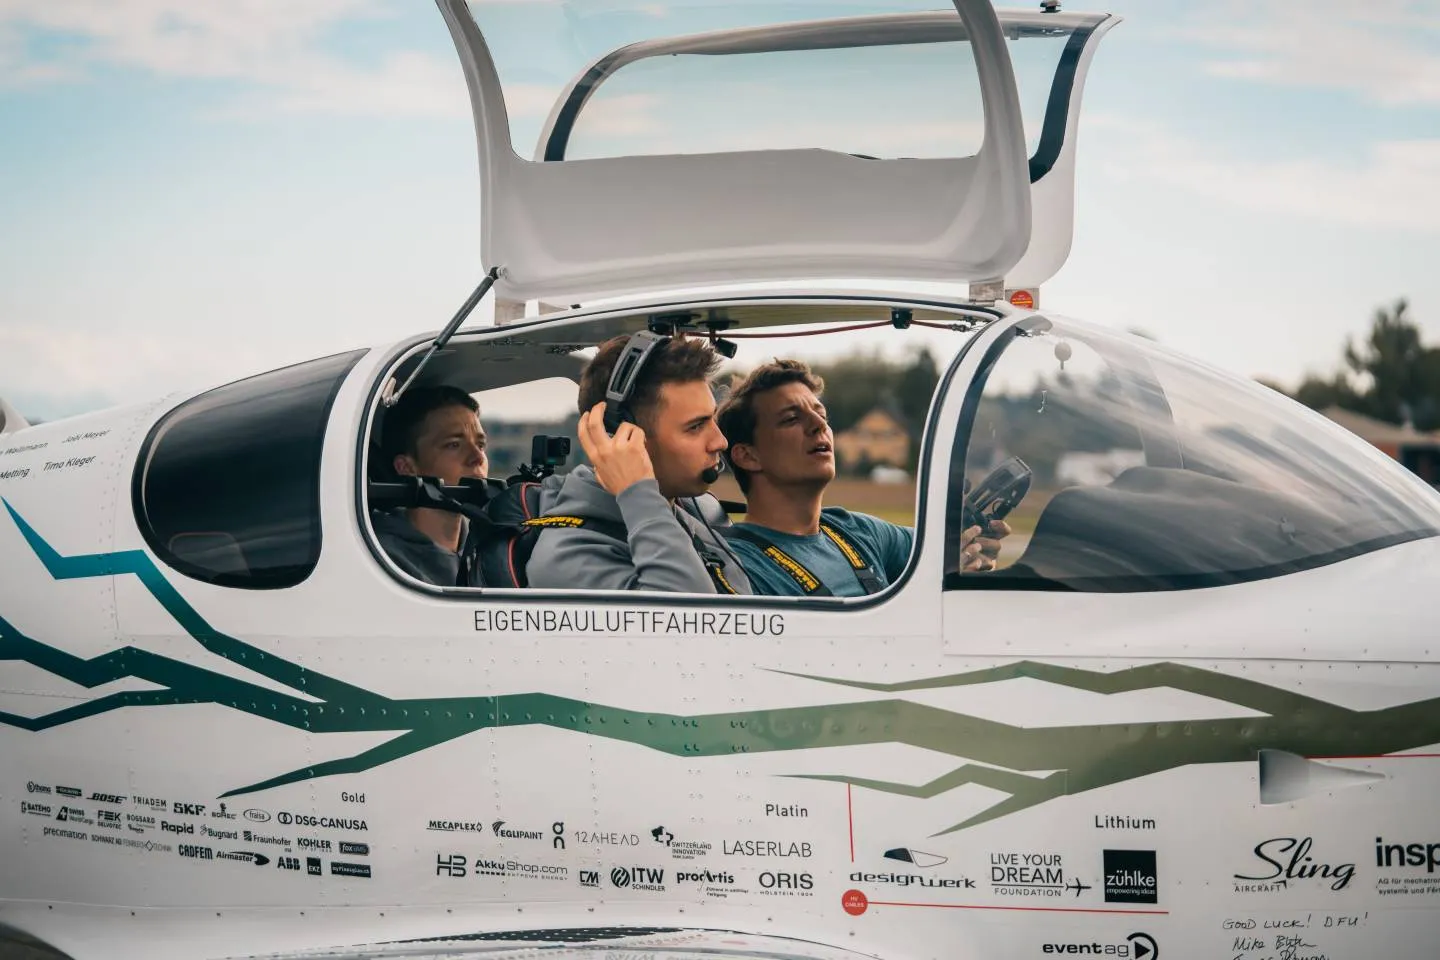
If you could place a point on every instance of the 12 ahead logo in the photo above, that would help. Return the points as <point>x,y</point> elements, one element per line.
<point>1137,946</point>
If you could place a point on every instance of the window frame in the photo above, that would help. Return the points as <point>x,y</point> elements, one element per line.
<point>347,361</point>
<point>634,318</point>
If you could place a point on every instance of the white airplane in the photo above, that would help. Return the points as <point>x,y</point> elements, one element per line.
<point>1195,717</point>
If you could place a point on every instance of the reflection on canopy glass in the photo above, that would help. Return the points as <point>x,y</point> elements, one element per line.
<point>1154,472</point>
<point>635,80</point>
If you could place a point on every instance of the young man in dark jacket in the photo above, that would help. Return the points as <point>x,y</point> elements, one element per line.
<point>671,451</point>
<point>431,432</point>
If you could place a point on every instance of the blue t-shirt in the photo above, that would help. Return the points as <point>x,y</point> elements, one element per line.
<point>884,545</point>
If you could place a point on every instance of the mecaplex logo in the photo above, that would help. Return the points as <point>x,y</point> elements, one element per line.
<point>913,880</point>
<point>456,826</point>
<point>918,857</point>
<point>1137,946</point>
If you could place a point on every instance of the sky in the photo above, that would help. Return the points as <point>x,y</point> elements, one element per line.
<point>193,192</point>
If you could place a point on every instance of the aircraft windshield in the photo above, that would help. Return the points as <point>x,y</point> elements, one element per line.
<point>903,85</point>
<point>1153,472</point>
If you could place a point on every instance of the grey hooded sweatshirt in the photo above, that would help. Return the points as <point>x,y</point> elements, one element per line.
<point>416,553</point>
<point>660,553</point>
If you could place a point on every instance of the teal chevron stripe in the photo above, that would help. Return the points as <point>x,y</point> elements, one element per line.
<point>1031,764</point>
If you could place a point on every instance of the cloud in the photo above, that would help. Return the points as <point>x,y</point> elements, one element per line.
<point>1387,51</point>
<point>275,44</point>
<point>1391,187</point>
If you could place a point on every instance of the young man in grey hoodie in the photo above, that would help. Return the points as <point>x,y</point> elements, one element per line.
<point>432,432</point>
<point>672,451</point>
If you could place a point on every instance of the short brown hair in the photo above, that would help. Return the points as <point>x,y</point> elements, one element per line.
<point>737,413</point>
<point>404,421</point>
<point>677,360</point>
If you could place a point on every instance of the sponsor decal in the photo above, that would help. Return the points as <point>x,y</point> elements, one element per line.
<point>110,819</point>
<point>352,797</point>
<point>255,815</point>
<point>71,792</point>
<point>1131,877</point>
<point>680,849</point>
<point>780,883</point>
<point>450,865</point>
<point>74,815</point>
<point>854,902</point>
<point>457,826</point>
<point>140,819</point>
<point>339,868</point>
<point>285,819</point>
<point>1137,946</point>
<point>259,859</point>
<point>313,867</point>
<point>251,836</point>
<point>187,809</point>
<point>58,832</point>
<point>913,880</point>
<point>195,852</point>
<point>352,849</point>
<point>509,833</point>
<point>638,878</point>
<point>1287,860</point>
<point>611,838</point>
<point>785,810</point>
<point>33,787</point>
<point>589,878</point>
<point>557,834</point>
<point>1031,875</point>
<point>496,867</point>
<point>146,845</point>
<point>160,806</point>
<point>1112,822</point>
<point>765,848</point>
<point>312,843</point>
<point>107,798</point>
<point>169,827</point>
<point>287,863</point>
<point>918,857</point>
<point>37,809</point>
<point>210,831</point>
<point>1409,858</point>
<point>223,813</point>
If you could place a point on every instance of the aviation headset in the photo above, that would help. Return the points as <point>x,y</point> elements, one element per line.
<point>623,379</point>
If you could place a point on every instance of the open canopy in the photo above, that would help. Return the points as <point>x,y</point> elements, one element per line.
<point>689,143</point>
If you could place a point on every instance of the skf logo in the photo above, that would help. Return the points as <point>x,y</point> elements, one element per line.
<point>188,809</point>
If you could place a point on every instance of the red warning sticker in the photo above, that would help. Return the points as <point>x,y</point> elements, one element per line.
<point>1023,299</point>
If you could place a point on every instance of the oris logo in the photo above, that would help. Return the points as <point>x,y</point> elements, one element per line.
<point>775,880</point>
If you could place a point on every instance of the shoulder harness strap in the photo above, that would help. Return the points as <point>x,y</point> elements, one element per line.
<point>808,583</point>
<point>713,561</point>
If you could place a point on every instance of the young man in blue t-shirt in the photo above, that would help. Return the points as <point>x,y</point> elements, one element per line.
<point>783,455</point>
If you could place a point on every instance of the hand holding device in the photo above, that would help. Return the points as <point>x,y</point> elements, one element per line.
<point>620,460</point>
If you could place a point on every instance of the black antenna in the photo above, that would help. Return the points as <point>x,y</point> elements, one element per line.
<point>470,304</point>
